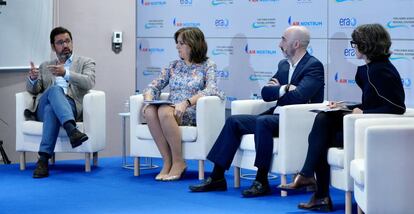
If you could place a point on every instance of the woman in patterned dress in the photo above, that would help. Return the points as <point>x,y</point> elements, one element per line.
<point>189,78</point>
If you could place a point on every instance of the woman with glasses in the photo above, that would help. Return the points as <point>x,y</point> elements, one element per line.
<point>189,78</point>
<point>382,92</point>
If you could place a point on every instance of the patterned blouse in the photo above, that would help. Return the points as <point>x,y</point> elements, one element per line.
<point>184,82</point>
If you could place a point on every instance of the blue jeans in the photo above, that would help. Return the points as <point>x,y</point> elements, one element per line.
<point>54,109</point>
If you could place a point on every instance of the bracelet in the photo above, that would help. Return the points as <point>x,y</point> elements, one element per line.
<point>287,88</point>
<point>188,102</point>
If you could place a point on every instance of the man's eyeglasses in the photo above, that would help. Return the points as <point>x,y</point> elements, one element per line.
<point>61,42</point>
<point>353,44</point>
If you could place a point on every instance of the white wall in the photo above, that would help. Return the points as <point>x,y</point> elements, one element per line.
<point>91,23</point>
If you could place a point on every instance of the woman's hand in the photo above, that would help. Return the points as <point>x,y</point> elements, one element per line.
<point>357,111</point>
<point>180,109</point>
<point>143,109</point>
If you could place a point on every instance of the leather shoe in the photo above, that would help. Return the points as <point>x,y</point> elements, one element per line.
<point>256,189</point>
<point>317,204</point>
<point>300,182</point>
<point>29,115</point>
<point>210,185</point>
<point>77,138</point>
<point>42,169</point>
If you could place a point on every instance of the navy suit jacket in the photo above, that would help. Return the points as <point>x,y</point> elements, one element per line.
<point>382,90</point>
<point>308,77</point>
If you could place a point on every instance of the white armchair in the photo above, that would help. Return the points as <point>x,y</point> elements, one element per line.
<point>29,133</point>
<point>197,140</point>
<point>381,170</point>
<point>289,149</point>
<point>339,159</point>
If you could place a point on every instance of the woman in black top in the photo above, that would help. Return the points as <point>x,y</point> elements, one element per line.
<point>382,92</point>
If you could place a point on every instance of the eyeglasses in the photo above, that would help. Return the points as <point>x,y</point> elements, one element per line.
<point>61,42</point>
<point>353,44</point>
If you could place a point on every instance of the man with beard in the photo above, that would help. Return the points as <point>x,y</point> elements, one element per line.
<point>299,79</point>
<point>58,87</point>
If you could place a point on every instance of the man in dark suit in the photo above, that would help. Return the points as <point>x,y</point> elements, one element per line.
<point>58,87</point>
<point>299,79</point>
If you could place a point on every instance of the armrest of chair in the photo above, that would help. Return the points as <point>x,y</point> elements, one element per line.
<point>250,106</point>
<point>23,101</point>
<point>349,133</point>
<point>295,123</point>
<point>94,116</point>
<point>362,125</point>
<point>388,151</point>
<point>210,119</point>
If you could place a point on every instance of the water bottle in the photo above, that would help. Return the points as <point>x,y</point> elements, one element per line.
<point>126,106</point>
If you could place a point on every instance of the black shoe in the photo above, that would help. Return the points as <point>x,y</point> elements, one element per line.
<point>77,138</point>
<point>317,204</point>
<point>210,185</point>
<point>29,115</point>
<point>256,189</point>
<point>42,169</point>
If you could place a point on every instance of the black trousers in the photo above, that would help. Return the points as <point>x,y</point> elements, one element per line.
<point>327,131</point>
<point>264,128</point>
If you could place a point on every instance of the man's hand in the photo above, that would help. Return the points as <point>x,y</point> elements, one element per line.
<point>273,82</point>
<point>357,111</point>
<point>33,72</point>
<point>57,70</point>
<point>292,87</point>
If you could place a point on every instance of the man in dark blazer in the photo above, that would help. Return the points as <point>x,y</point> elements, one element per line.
<point>299,79</point>
<point>58,87</point>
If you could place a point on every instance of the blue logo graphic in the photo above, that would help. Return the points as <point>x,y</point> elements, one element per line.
<point>255,77</point>
<point>221,2</point>
<point>340,1</point>
<point>222,74</point>
<point>391,25</point>
<point>153,3</point>
<point>305,23</point>
<point>259,51</point>
<point>216,52</point>
<point>256,25</point>
<point>347,22</point>
<point>406,82</point>
<point>310,50</point>
<point>150,73</point>
<point>344,81</point>
<point>185,24</point>
<point>149,26</point>
<point>396,58</point>
<point>349,53</point>
<point>222,23</point>
<point>186,2</point>
<point>150,50</point>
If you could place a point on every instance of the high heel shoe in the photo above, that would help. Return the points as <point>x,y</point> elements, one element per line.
<point>160,177</point>
<point>175,177</point>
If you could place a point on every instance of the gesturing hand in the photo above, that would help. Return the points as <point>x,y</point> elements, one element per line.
<point>57,70</point>
<point>33,72</point>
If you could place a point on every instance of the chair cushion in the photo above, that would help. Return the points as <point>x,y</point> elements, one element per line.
<point>247,143</point>
<point>336,157</point>
<point>36,128</point>
<point>189,133</point>
<point>358,171</point>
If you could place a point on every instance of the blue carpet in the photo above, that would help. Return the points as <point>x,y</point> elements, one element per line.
<point>112,189</point>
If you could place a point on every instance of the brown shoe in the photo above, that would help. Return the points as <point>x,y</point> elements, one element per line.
<point>317,204</point>
<point>300,182</point>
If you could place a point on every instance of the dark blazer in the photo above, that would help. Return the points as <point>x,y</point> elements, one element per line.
<point>308,78</point>
<point>382,89</point>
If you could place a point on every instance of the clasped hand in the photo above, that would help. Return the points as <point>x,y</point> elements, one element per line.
<point>180,109</point>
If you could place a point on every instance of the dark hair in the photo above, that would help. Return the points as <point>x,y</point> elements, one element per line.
<point>56,31</point>
<point>194,38</point>
<point>373,41</point>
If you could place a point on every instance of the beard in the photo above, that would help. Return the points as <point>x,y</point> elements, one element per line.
<point>64,55</point>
